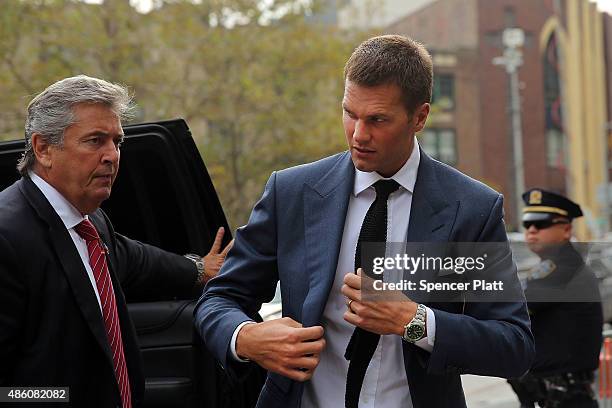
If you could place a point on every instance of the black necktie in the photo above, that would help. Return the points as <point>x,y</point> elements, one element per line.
<point>363,343</point>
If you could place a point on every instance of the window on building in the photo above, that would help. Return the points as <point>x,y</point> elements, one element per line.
<point>553,107</point>
<point>444,91</point>
<point>555,149</point>
<point>509,17</point>
<point>440,144</point>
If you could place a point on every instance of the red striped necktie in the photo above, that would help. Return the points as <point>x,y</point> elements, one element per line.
<point>97,260</point>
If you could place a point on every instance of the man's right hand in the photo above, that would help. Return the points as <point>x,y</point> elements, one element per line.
<point>282,346</point>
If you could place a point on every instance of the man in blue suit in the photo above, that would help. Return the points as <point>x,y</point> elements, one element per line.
<point>304,232</point>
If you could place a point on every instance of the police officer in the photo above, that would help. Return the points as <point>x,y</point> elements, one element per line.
<point>564,306</point>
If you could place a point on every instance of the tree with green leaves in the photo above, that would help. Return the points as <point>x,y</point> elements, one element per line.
<point>260,87</point>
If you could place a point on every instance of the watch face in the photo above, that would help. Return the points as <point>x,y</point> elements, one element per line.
<point>415,332</point>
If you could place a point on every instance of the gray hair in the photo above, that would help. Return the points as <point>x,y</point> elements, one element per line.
<point>50,113</point>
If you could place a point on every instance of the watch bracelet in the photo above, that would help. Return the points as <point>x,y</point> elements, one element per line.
<point>198,260</point>
<point>421,313</point>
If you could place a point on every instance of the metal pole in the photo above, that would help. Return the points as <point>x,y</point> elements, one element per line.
<point>512,59</point>
<point>517,142</point>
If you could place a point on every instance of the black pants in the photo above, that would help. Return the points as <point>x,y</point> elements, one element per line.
<point>525,396</point>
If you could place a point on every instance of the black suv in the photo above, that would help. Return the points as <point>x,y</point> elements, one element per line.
<point>164,196</point>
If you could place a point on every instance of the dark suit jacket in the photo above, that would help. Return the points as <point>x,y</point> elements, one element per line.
<point>294,235</point>
<point>567,320</point>
<point>51,328</point>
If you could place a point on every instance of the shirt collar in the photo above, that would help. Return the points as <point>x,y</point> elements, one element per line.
<point>69,215</point>
<point>405,176</point>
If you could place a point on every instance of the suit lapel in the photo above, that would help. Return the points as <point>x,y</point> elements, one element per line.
<point>431,214</point>
<point>432,217</point>
<point>70,261</point>
<point>325,207</point>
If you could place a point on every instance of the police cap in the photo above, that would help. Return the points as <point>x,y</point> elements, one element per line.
<point>543,205</point>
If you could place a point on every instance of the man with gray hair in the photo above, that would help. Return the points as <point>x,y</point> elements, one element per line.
<point>63,269</point>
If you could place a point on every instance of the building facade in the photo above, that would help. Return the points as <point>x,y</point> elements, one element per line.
<point>564,97</point>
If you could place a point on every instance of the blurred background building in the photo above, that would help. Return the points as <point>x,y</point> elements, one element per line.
<point>372,14</point>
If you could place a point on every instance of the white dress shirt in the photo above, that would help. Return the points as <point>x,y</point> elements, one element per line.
<point>385,383</point>
<point>71,217</point>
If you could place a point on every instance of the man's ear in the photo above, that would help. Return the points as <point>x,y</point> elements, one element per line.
<point>42,150</point>
<point>567,231</point>
<point>420,114</point>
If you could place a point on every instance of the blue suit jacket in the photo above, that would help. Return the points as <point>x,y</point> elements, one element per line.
<point>294,235</point>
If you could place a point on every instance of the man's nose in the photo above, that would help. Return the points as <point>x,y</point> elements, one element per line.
<point>111,153</point>
<point>361,133</point>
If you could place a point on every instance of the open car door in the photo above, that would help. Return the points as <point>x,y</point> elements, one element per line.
<point>164,196</point>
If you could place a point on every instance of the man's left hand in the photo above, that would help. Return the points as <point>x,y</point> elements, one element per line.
<point>378,316</point>
<point>215,258</point>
